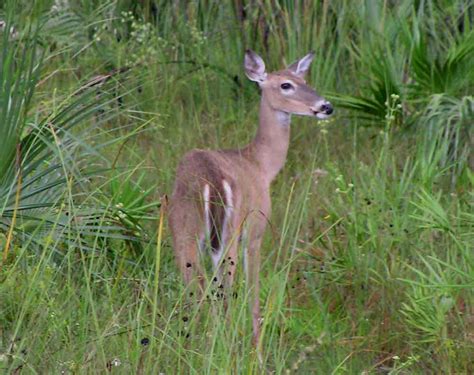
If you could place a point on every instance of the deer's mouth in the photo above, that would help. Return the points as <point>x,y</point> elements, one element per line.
<point>321,115</point>
<point>322,109</point>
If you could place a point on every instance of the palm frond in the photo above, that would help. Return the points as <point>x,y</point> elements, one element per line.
<point>45,164</point>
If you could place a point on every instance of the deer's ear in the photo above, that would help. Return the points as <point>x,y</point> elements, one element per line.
<point>301,66</point>
<point>254,67</point>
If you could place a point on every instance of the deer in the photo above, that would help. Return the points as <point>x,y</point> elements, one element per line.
<point>221,198</point>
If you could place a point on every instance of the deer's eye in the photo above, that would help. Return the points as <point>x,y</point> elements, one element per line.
<point>286,86</point>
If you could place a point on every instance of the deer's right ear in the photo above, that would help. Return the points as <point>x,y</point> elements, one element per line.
<point>254,67</point>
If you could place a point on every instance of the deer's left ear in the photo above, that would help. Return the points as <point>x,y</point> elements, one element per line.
<point>301,66</point>
<point>254,67</point>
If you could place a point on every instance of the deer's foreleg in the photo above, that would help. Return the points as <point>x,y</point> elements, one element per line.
<point>252,270</point>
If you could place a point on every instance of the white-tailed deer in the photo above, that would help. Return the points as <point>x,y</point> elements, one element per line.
<point>222,198</point>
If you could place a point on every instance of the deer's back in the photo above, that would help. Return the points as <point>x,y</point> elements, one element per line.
<point>206,167</point>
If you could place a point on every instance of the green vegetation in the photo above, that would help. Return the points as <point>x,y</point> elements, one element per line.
<point>368,264</point>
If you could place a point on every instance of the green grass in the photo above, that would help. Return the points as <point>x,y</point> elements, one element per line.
<point>367,264</point>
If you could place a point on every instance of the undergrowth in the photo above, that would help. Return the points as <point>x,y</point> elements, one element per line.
<point>367,262</point>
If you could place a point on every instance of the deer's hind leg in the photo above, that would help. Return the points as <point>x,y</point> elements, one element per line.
<point>224,257</point>
<point>188,228</point>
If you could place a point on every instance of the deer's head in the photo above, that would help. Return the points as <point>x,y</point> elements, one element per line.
<point>286,90</point>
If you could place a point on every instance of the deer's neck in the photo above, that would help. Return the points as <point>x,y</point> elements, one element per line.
<point>270,145</point>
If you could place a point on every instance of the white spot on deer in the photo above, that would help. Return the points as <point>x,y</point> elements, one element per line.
<point>228,209</point>
<point>207,215</point>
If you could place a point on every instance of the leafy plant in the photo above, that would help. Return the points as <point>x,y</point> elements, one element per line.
<point>436,69</point>
<point>446,135</point>
<point>45,166</point>
<point>431,298</point>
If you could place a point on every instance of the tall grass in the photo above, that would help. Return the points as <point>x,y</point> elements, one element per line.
<point>367,262</point>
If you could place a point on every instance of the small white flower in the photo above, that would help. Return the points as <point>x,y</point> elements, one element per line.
<point>116,362</point>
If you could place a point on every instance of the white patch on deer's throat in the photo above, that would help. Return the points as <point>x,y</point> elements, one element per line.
<point>283,118</point>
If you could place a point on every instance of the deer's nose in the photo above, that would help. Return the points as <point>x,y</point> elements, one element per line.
<point>327,108</point>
